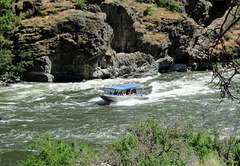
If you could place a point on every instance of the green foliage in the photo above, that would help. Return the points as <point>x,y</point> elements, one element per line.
<point>5,5</point>
<point>6,58</point>
<point>202,144</point>
<point>153,144</point>
<point>169,4</point>
<point>1,153</point>
<point>5,43</point>
<point>9,63</point>
<point>7,27</point>
<point>44,13</point>
<point>149,10</point>
<point>212,160</point>
<point>236,62</point>
<point>235,152</point>
<point>148,143</point>
<point>81,4</point>
<point>82,39</point>
<point>146,1</point>
<point>126,147</point>
<point>23,62</point>
<point>230,150</point>
<point>228,36</point>
<point>56,152</point>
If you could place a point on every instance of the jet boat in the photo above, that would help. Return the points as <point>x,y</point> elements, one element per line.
<point>124,92</point>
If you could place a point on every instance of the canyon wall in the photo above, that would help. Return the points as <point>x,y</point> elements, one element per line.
<point>109,40</point>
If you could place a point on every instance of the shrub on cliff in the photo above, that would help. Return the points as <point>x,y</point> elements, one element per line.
<point>7,26</point>
<point>81,4</point>
<point>12,65</point>
<point>169,4</point>
<point>6,58</point>
<point>7,29</point>
<point>149,9</point>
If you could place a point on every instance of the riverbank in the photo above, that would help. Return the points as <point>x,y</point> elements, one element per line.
<point>4,81</point>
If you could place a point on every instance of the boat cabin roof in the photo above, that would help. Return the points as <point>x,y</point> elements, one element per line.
<point>126,86</point>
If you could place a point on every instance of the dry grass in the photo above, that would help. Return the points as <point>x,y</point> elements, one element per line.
<point>231,41</point>
<point>155,39</point>
<point>48,9</point>
<point>48,20</point>
<point>55,10</point>
<point>211,160</point>
<point>149,23</point>
<point>110,1</point>
<point>157,14</point>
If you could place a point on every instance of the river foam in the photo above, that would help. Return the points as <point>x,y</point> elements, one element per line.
<point>75,110</point>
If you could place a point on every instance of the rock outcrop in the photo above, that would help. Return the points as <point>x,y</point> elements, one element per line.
<point>69,49</point>
<point>109,40</point>
<point>135,65</point>
<point>129,65</point>
<point>175,36</point>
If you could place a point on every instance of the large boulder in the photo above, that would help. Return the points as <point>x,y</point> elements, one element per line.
<point>135,65</point>
<point>129,65</point>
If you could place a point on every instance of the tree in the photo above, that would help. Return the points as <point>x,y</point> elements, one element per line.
<point>10,64</point>
<point>6,58</point>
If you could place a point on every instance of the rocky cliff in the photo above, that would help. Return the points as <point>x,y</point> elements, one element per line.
<point>115,39</point>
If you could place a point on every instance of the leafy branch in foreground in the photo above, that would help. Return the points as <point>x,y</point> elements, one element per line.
<point>57,152</point>
<point>168,4</point>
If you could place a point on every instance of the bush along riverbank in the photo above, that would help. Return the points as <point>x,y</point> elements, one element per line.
<point>147,142</point>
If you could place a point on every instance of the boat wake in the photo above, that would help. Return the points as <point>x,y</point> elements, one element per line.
<point>131,102</point>
<point>98,101</point>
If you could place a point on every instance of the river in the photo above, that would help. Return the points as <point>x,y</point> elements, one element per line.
<point>75,110</point>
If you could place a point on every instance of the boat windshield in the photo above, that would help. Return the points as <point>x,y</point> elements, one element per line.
<point>111,91</point>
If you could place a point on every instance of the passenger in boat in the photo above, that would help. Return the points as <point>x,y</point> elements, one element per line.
<point>128,92</point>
<point>115,92</point>
<point>134,92</point>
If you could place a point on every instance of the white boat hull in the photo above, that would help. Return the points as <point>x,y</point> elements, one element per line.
<point>113,98</point>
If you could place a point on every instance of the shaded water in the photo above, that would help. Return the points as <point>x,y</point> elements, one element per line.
<point>75,110</point>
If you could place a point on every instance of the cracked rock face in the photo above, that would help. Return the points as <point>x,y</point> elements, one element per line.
<point>76,45</point>
<point>68,50</point>
<point>135,65</point>
<point>110,41</point>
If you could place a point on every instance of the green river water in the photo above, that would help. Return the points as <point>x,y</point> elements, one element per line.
<point>75,110</point>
